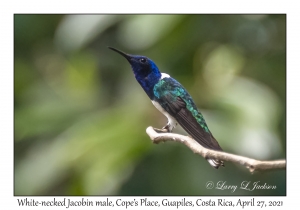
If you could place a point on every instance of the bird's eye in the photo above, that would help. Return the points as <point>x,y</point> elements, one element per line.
<point>143,60</point>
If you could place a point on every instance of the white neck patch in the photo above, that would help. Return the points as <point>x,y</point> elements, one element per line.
<point>164,75</point>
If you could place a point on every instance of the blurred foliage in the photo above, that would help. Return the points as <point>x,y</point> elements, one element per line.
<point>80,116</point>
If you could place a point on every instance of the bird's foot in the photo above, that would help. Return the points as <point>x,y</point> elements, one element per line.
<point>168,128</point>
<point>161,130</point>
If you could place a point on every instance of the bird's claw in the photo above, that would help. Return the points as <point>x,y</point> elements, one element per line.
<point>168,128</point>
<point>161,130</point>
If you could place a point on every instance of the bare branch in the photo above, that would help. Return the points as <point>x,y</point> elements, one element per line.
<point>251,164</point>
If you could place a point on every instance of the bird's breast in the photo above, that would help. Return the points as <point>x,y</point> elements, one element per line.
<point>171,119</point>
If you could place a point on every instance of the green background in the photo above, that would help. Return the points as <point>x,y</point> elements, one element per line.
<point>80,117</point>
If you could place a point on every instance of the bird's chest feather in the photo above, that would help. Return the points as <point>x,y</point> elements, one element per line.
<point>171,119</point>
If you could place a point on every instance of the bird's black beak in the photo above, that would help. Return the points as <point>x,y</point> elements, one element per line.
<point>128,57</point>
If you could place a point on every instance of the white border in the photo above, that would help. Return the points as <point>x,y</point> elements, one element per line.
<point>8,8</point>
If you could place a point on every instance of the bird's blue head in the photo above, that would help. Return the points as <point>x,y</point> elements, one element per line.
<point>144,69</point>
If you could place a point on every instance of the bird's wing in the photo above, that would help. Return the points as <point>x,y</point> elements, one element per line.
<point>179,104</point>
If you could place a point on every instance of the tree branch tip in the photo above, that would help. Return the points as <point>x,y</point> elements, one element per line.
<point>161,135</point>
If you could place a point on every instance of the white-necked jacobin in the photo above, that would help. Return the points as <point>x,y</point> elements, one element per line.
<point>172,100</point>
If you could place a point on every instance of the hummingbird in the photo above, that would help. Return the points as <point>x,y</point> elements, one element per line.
<point>173,101</point>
